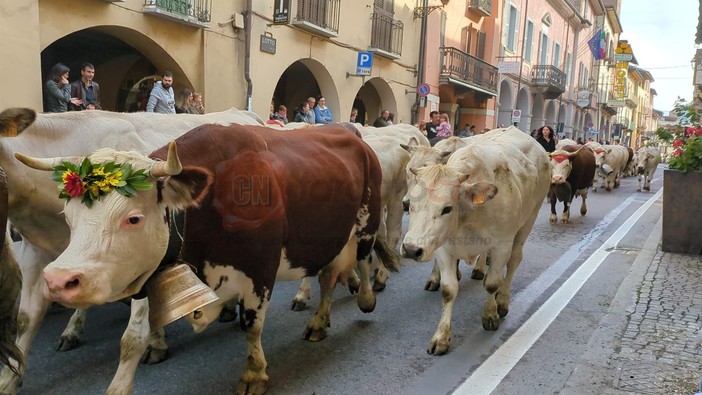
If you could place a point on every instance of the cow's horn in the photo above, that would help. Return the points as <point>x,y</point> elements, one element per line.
<point>40,163</point>
<point>171,166</point>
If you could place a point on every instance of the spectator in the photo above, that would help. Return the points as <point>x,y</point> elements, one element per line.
<point>310,116</point>
<point>354,115</point>
<point>580,141</point>
<point>432,124</point>
<point>58,91</point>
<point>391,119</point>
<point>281,115</point>
<point>301,112</point>
<point>321,112</point>
<point>465,132</point>
<point>86,89</point>
<point>383,120</point>
<point>444,129</point>
<point>198,108</point>
<point>162,98</point>
<point>544,136</point>
<point>184,103</point>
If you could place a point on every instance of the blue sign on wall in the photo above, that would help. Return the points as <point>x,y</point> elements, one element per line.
<point>364,64</point>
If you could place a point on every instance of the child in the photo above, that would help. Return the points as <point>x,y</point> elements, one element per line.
<point>444,129</point>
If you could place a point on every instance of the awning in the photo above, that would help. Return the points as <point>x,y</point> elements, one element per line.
<point>471,86</point>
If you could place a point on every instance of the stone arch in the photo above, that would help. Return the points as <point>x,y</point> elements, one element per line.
<point>505,98</point>
<point>537,112</point>
<point>550,116</point>
<point>524,105</point>
<point>374,97</point>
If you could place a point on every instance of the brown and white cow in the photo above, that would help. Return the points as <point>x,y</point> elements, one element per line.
<point>572,171</point>
<point>611,161</point>
<point>485,200</point>
<point>263,205</point>
<point>35,210</point>
<point>647,160</point>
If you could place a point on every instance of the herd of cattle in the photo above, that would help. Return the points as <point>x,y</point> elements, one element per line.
<point>263,205</point>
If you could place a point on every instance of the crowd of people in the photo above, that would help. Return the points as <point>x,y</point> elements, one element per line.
<point>84,93</point>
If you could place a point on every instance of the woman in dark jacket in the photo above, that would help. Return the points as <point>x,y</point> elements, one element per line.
<point>58,90</point>
<point>545,137</point>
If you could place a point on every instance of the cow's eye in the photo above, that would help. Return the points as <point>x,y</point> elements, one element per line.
<point>446,210</point>
<point>134,219</point>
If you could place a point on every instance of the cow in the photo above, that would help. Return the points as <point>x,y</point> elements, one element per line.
<point>402,131</point>
<point>611,161</point>
<point>630,167</point>
<point>647,160</point>
<point>10,285</point>
<point>35,210</point>
<point>572,171</point>
<point>485,200</point>
<point>452,144</point>
<point>563,142</point>
<point>262,205</point>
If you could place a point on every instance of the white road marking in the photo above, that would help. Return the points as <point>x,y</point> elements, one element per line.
<point>490,373</point>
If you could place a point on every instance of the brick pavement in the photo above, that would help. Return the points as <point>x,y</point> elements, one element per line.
<point>650,341</point>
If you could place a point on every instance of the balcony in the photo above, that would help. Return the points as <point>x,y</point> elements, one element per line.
<point>467,71</point>
<point>483,7</point>
<point>549,80</point>
<point>320,17</point>
<point>195,13</point>
<point>386,36</point>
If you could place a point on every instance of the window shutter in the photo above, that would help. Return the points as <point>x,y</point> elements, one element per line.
<point>480,49</point>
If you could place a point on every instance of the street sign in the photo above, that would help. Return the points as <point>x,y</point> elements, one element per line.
<point>268,44</point>
<point>516,115</point>
<point>423,89</point>
<point>281,11</point>
<point>508,67</point>
<point>364,63</point>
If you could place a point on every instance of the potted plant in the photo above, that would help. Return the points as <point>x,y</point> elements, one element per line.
<point>682,182</point>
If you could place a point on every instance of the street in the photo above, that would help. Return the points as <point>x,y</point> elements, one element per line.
<point>384,352</point>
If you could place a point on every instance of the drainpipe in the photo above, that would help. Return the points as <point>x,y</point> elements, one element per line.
<point>420,71</point>
<point>247,55</point>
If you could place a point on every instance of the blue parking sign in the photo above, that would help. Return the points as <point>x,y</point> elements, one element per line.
<point>364,63</point>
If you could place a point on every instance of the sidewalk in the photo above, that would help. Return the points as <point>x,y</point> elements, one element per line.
<point>650,341</point>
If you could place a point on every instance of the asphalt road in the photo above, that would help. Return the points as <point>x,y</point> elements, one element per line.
<point>383,352</point>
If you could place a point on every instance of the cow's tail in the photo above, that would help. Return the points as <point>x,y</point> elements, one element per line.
<point>387,255</point>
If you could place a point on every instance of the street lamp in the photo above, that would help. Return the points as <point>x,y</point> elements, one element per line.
<point>420,12</point>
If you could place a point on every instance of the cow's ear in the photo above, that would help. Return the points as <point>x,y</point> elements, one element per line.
<point>15,120</point>
<point>187,188</point>
<point>480,192</point>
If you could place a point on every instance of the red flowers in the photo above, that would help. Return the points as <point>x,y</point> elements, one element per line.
<point>73,184</point>
<point>678,143</point>
<point>677,152</point>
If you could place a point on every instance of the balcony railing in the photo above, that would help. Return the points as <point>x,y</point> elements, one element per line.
<point>318,16</point>
<point>386,35</point>
<point>458,65</point>
<point>196,13</point>
<point>482,6</point>
<point>549,79</point>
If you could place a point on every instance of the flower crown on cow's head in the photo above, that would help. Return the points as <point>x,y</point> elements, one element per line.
<point>94,180</point>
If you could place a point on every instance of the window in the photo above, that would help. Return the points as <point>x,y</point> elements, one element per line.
<point>511,28</point>
<point>465,39</point>
<point>568,66</point>
<point>543,49</point>
<point>480,49</point>
<point>529,44</point>
<point>556,55</point>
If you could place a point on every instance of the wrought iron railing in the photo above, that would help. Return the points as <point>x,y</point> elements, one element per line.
<point>458,64</point>
<point>386,34</point>
<point>199,10</point>
<point>322,13</point>
<point>548,75</point>
<point>483,6</point>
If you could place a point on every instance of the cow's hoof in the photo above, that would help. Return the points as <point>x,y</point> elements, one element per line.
<point>255,388</point>
<point>432,285</point>
<point>67,343</point>
<point>438,346</point>
<point>315,334</point>
<point>608,189</point>
<point>502,311</point>
<point>298,305</point>
<point>552,219</point>
<point>153,356</point>
<point>647,189</point>
<point>477,275</point>
<point>565,220</point>
<point>491,324</point>
<point>366,304</point>
<point>583,212</point>
<point>638,189</point>
<point>378,286</point>
<point>353,287</point>
<point>227,315</point>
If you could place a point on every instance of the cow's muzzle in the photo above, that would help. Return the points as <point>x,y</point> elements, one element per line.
<point>640,170</point>
<point>411,251</point>
<point>605,170</point>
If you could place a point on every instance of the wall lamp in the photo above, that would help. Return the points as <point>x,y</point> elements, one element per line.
<point>420,12</point>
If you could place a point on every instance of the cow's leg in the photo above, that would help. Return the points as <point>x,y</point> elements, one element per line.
<point>394,232</point>
<point>566,211</point>
<point>640,180</point>
<point>552,198</point>
<point>439,343</point>
<point>433,282</point>
<point>252,313</point>
<point>316,329</point>
<point>647,183</point>
<point>366,298</point>
<point>303,295</point>
<point>70,338</point>
<point>583,204</point>
<point>493,283</point>
<point>380,279</point>
<point>157,349</point>
<point>617,178</point>
<point>132,346</point>
<point>32,309</point>
<point>480,269</point>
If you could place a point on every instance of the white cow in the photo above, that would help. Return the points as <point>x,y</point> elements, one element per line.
<point>611,161</point>
<point>485,200</point>
<point>563,142</point>
<point>34,207</point>
<point>647,160</point>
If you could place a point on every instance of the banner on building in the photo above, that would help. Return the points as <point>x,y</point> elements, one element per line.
<point>598,45</point>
